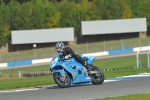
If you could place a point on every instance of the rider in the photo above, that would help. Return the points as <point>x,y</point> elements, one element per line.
<point>60,47</point>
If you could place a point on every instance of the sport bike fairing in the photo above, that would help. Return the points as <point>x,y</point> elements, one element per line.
<point>70,65</point>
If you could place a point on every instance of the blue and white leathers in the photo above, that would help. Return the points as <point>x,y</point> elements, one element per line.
<point>71,66</point>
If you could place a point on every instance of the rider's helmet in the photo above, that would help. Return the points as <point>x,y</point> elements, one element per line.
<point>59,46</point>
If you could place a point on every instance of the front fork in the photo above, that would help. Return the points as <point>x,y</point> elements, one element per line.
<point>63,75</point>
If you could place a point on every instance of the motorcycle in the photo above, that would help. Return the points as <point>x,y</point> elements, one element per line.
<point>68,71</point>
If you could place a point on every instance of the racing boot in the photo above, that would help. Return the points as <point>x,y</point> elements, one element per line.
<point>89,70</point>
<point>88,67</point>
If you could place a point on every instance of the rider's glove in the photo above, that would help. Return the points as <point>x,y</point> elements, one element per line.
<point>68,56</point>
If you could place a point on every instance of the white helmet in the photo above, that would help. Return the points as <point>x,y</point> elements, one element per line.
<point>60,45</point>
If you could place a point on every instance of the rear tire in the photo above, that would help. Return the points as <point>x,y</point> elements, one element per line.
<point>63,82</point>
<point>97,78</point>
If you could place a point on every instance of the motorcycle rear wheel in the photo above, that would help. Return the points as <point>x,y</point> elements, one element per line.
<point>61,81</point>
<point>97,78</point>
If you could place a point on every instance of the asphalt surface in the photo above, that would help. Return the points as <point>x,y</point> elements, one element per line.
<point>83,92</point>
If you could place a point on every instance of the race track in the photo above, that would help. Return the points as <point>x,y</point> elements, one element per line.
<point>111,87</point>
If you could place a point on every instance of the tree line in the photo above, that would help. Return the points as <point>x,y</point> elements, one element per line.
<point>43,14</point>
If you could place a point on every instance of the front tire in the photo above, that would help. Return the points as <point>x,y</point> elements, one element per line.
<point>97,78</point>
<point>61,81</point>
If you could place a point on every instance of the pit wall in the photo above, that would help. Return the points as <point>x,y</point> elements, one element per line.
<point>47,60</point>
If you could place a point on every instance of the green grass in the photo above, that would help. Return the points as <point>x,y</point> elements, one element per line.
<point>121,62</point>
<point>15,82</point>
<point>128,97</point>
<point>117,73</point>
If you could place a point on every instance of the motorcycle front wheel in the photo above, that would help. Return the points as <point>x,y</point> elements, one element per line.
<point>62,81</point>
<point>97,78</point>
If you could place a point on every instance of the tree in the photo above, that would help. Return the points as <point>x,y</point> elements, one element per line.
<point>4,24</point>
<point>2,30</point>
<point>15,18</point>
<point>93,13</point>
<point>136,7</point>
<point>66,13</point>
<point>52,16</point>
<point>126,11</point>
<point>146,12</point>
<point>26,10</point>
<point>38,14</point>
<point>110,9</point>
<point>78,15</point>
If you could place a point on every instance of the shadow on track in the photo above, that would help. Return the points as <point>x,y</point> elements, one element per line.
<point>73,85</point>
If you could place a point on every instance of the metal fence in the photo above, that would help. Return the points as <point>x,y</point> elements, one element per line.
<point>48,52</point>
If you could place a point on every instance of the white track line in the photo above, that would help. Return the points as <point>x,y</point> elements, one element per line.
<point>18,90</point>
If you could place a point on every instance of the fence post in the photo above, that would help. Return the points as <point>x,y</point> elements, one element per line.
<point>148,58</point>
<point>104,45</point>
<point>34,45</point>
<point>122,43</point>
<point>86,47</point>
<point>19,74</point>
<point>17,54</point>
<point>0,59</point>
<point>52,50</point>
<point>139,42</point>
<point>137,58</point>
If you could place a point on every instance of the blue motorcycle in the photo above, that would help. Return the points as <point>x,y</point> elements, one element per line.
<point>69,71</point>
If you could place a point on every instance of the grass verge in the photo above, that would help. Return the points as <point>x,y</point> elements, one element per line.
<point>15,82</point>
<point>128,97</point>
